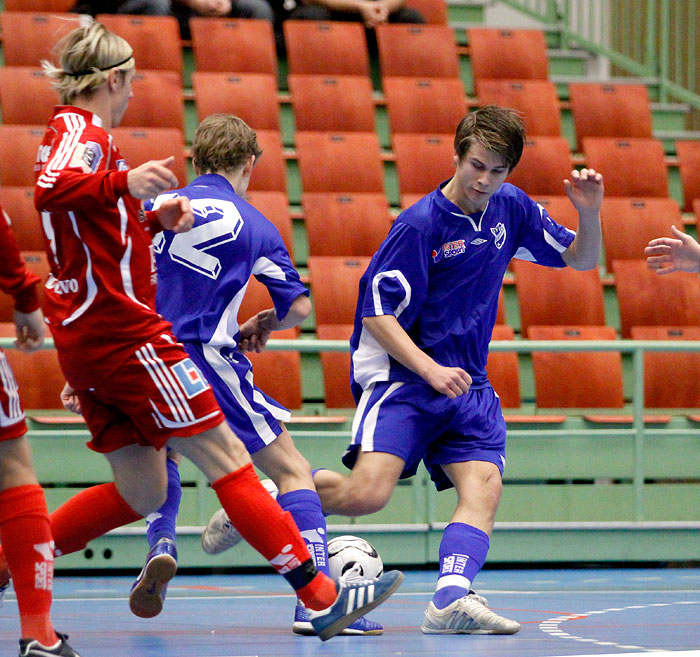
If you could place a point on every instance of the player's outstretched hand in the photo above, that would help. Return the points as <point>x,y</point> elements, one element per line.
<point>152,178</point>
<point>666,255</point>
<point>70,400</point>
<point>585,190</point>
<point>176,214</point>
<point>450,381</point>
<point>30,330</point>
<point>255,332</point>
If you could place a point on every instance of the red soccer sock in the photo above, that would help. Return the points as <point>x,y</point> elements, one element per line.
<point>272,532</point>
<point>88,515</point>
<point>28,552</point>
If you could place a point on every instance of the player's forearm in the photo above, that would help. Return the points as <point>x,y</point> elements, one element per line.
<point>298,312</point>
<point>73,190</point>
<point>338,5</point>
<point>584,251</point>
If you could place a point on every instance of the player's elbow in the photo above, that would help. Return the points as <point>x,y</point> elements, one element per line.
<point>301,307</point>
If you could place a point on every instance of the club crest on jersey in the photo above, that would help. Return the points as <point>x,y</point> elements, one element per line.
<point>190,377</point>
<point>499,234</point>
<point>450,250</point>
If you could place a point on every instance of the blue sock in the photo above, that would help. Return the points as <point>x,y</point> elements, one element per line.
<point>161,523</point>
<point>463,551</point>
<point>305,507</point>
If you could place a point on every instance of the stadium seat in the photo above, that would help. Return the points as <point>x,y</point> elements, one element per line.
<point>39,5</point>
<point>422,163</point>
<point>38,375</point>
<point>255,299</point>
<point>18,149</point>
<point>26,95</point>
<point>670,378</point>
<point>536,100</point>
<point>561,209</point>
<point>332,103</point>
<point>503,371</point>
<point>576,379</point>
<point>558,297</point>
<point>688,153</point>
<point>424,105</point>
<point>434,11</point>
<point>157,101</point>
<point>545,163</point>
<point>622,160</point>
<point>334,285</point>
<point>336,367</point>
<point>139,145</point>
<point>515,54</point>
<point>696,211</point>
<point>629,224</point>
<point>275,207</point>
<point>647,299</point>
<point>227,45</point>
<point>501,314</point>
<point>155,40</point>
<point>28,37</point>
<point>250,96</point>
<point>340,162</point>
<point>410,50</point>
<point>18,203</point>
<point>345,224</point>
<point>326,48</point>
<point>269,173</point>
<point>609,110</point>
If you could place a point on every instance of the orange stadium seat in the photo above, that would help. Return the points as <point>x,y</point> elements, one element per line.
<point>696,211</point>
<point>689,165</point>
<point>647,299</point>
<point>269,173</point>
<point>345,224</point>
<point>326,48</point>
<point>434,11</point>
<point>334,284</point>
<point>332,103</point>
<point>542,301</point>
<point>28,37</point>
<point>39,5</point>
<point>410,50</point>
<point>609,110</point>
<point>275,207</point>
<point>428,105</point>
<point>536,100</point>
<point>336,367</point>
<point>500,53</point>
<point>26,95</point>
<point>340,162</point>
<point>501,314</point>
<point>422,163</point>
<point>18,149</point>
<point>577,379</point>
<point>228,45</point>
<point>629,224</point>
<point>139,145</point>
<point>561,209</point>
<point>670,378</point>
<point>621,161</point>
<point>503,371</point>
<point>545,163</point>
<point>18,203</point>
<point>157,101</point>
<point>143,33</point>
<point>255,299</point>
<point>250,96</point>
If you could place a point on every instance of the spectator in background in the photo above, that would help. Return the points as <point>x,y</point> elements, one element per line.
<point>369,12</point>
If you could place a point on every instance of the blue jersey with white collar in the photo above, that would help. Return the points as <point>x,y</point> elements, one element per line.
<point>203,273</point>
<point>439,272</point>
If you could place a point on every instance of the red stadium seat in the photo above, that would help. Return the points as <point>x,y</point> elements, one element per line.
<point>498,53</point>
<point>39,5</point>
<point>545,163</point>
<point>18,149</point>
<point>29,37</point>
<point>336,367</point>
<point>334,285</point>
<point>26,95</point>
<point>561,209</point>
<point>275,207</point>
<point>689,164</point>
<point>434,11</point>
<point>157,101</point>
<point>269,173</point>
<point>502,369</point>
<point>422,162</point>
<point>18,203</point>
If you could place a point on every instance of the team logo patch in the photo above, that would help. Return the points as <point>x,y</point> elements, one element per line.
<point>190,377</point>
<point>499,233</point>
<point>86,157</point>
<point>437,255</point>
<point>478,241</point>
<point>450,250</point>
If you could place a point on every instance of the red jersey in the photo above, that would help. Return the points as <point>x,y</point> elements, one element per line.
<point>15,279</point>
<point>100,295</point>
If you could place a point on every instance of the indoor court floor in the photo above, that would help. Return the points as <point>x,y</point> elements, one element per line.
<point>563,612</point>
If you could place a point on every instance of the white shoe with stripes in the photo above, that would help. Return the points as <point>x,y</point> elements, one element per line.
<point>354,599</point>
<point>467,615</point>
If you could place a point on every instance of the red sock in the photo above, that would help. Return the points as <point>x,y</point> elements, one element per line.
<point>272,532</point>
<point>88,515</point>
<point>28,552</point>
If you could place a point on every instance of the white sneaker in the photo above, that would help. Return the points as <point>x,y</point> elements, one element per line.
<point>466,615</point>
<point>220,534</point>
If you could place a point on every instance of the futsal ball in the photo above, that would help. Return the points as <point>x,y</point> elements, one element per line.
<point>344,552</point>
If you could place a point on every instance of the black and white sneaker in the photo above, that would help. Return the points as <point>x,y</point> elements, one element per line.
<point>32,648</point>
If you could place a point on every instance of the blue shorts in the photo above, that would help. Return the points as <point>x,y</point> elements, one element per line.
<point>254,417</point>
<point>413,421</point>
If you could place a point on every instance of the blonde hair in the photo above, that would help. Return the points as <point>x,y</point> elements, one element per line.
<point>86,56</point>
<point>223,142</point>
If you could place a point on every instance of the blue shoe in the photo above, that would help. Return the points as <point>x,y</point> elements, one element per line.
<point>148,592</point>
<point>361,627</point>
<point>354,599</point>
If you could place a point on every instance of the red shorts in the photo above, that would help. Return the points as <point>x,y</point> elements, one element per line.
<point>12,422</point>
<point>157,393</point>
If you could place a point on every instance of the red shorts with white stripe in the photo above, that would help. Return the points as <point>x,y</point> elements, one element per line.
<point>156,394</point>
<point>12,422</point>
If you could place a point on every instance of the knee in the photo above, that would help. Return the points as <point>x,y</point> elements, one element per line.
<point>365,499</point>
<point>146,501</point>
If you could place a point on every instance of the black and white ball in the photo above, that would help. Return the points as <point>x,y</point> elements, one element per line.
<point>344,552</point>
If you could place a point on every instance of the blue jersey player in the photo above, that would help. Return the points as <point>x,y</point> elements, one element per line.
<point>427,305</point>
<point>202,278</point>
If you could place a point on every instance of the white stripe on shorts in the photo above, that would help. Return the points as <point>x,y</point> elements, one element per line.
<point>370,418</point>
<point>14,408</point>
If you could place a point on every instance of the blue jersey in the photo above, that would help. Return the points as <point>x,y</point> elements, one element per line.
<point>203,273</point>
<point>439,272</point>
